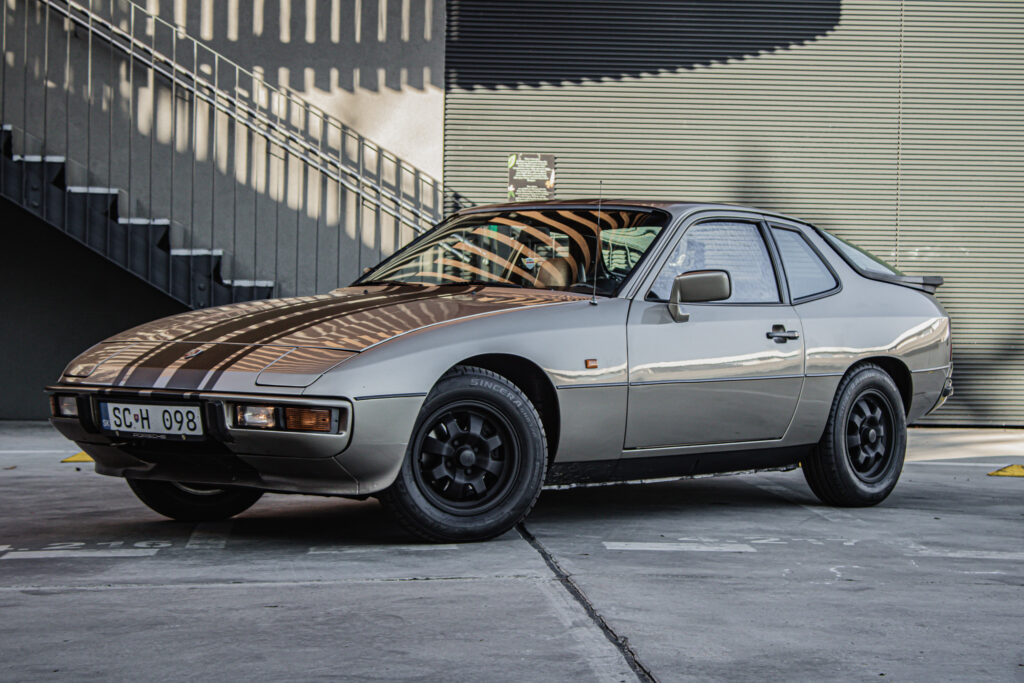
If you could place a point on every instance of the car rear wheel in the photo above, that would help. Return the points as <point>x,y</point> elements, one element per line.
<point>187,502</point>
<point>475,463</point>
<point>860,456</point>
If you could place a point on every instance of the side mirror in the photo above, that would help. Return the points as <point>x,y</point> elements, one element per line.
<point>695,287</point>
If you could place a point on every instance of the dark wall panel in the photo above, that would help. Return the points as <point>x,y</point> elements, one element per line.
<point>58,299</point>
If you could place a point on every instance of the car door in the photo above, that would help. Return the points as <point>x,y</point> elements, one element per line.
<point>733,371</point>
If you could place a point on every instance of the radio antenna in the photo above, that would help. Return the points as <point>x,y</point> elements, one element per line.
<point>597,241</point>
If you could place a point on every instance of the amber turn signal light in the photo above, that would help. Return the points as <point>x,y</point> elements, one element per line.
<point>308,419</point>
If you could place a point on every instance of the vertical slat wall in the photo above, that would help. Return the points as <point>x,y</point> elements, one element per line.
<point>895,124</point>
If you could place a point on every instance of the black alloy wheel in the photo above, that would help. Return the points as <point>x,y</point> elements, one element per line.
<point>860,456</point>
<point>869,443</point>
<point>475,463</point>
<point>468,456</point>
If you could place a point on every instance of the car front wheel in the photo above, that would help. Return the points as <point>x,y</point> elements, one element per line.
<point>860,456</point>
<point>194,502</point>
<point>475,463</point>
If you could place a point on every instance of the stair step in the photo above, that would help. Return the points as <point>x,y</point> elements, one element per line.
<point>144,221</point>
<point>249,283</point>
<point>197,252</point>
<point>36,158</point>
<point>34,182</point>
<point>194,275</point>
<point>81,189</point>
<point>90,212</point>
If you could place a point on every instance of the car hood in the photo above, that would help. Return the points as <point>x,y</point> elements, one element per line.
<point>284,342</point>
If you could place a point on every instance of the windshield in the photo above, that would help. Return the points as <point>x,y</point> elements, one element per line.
<point>539,249</point>
<point>859,257</point>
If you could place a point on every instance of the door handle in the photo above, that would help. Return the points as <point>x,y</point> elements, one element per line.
<point>780,334</point>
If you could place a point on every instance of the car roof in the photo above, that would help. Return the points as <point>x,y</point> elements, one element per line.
<point>673,206</point>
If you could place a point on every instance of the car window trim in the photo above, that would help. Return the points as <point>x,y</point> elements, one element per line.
<point>774,224</point>
<point>756,220</point>
<point>782,282</point>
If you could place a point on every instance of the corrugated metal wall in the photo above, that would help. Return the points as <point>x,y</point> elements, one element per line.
<point>898,125</point>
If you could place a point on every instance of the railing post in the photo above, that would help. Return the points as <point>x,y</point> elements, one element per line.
<point>24,101</point>
<point>174,151</point>
<point>152,137</point>
<point>214,120</point>
<point>233,168</point>
<point>193,129</point>
<point>128,232</point>
<point>110,126</point>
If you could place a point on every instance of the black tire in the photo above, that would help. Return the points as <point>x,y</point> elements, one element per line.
<point>860,456</point>
<point>476,430</point>
<point>194,502</point>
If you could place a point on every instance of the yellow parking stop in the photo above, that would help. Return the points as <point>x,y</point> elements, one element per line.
<point>1009,471</point>
<point>78,457</point>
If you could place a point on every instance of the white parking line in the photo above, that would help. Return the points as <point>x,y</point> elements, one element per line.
<point>340,549</point>
<point>682,547</point>
<point>209,536</point>
<point>36,450</point>
<point>972,554</point>
<point>77,554</point>
<point>958,464</point>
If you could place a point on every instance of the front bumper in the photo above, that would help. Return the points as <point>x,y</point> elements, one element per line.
<point>361,458</point>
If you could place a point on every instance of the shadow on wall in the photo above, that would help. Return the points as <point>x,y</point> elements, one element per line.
<point>532,42</point>
<point>329,44</point>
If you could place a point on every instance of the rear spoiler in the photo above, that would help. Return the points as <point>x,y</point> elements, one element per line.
<point>924,283</point>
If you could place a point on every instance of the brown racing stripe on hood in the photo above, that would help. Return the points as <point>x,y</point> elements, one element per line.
<point>249,338</point>
<point>232,345</point>
<point>178,334</point>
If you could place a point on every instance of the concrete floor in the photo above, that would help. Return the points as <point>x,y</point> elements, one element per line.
<point>732,579</point>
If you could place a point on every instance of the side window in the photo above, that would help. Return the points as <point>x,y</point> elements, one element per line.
<point>806,273</point>
<point>723,245</point>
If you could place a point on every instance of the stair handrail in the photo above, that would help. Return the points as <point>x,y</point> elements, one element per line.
<point>270,130</point>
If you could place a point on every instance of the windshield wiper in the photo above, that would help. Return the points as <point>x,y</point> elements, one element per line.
<point>394,282</point>
<point>485,283</point>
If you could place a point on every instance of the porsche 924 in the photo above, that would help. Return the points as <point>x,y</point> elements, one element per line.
<point>519,345</point>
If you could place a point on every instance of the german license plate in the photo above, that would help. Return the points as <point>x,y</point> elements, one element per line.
<point>138,418</point>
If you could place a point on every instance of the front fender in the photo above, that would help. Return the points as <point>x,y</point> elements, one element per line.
<point>558,338</point>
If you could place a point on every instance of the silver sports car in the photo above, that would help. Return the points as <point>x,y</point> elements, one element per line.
<point>519,345</point>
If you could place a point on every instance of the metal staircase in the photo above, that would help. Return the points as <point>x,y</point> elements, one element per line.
<point>185,169</point>
<point>91,216</point>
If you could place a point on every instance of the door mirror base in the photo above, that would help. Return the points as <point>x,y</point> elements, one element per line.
<point>698,286</point>
<point>677,312</point>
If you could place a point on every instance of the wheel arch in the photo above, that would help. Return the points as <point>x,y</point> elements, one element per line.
<point>898,371</point>
<point>533,382</point>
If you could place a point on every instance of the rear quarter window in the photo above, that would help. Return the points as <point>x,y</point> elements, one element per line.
<point>806,272</point>
<point>860,258</point>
